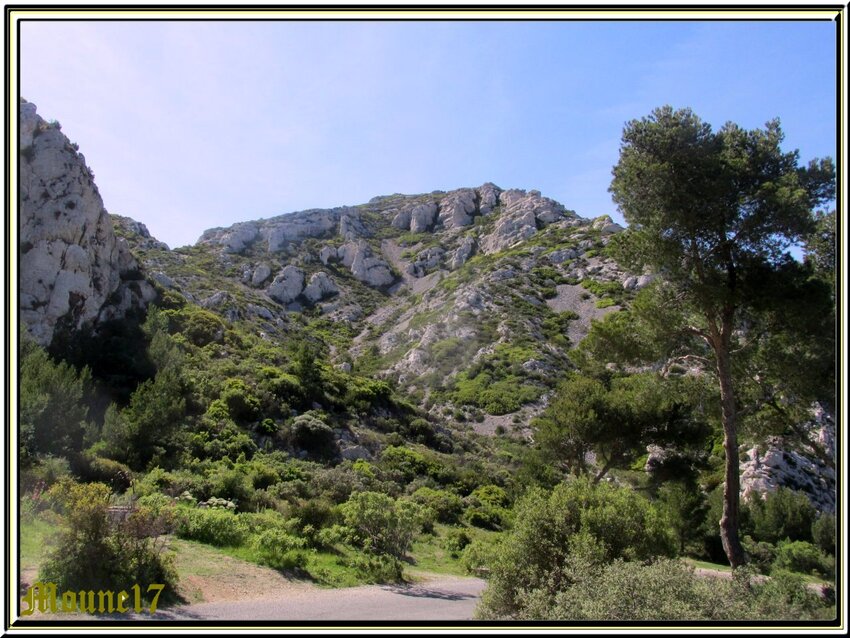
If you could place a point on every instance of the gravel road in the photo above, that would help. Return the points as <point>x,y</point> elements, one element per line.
<point>442,598</point>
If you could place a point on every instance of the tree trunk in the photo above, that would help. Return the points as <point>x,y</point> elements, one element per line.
<point>732,484</point>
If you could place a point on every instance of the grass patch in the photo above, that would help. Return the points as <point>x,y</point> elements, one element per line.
<point>36,541</point>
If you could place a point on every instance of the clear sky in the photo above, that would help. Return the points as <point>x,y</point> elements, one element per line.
<point>189,126</point>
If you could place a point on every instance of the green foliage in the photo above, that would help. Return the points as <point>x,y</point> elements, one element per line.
<point>383,525</point>
<point>141,433</point>
<point>803,557</point>
<point>199,326</point>
<point>456,540</point>
<point>53,409</point>
<point>494,397</point>
<point>280,550</point>
<point>685,509</point>
<point>242,404</point>
<point>666,590</point>
<point>823,533</point>
<point>616,421</point>
<point>212,526</point>
<point>447,506</point>
<point>311,433</point>
<point>95,553</point>
<point>596,523</point>
<point>783,514</point>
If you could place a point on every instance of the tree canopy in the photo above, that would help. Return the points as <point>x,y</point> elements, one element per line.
<point>714,214</point>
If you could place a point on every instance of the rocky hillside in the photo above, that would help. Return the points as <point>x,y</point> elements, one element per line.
<point>468,300</point>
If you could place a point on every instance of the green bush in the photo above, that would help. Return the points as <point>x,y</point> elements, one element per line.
<point>447,506</point>
<point>382,524</point>
<point>456,541</point>
<point>782,514</point>
<point>804,558</point>
<point>242,405</point>
<point>667,590</point>
<point>597,523</point>
<point>221,528</point>
<point>823,533</point>
<point>311,433</point>
<point>760,554</point>
<point>96,553</point>
<point>476,557</point>
<point>280,550</point>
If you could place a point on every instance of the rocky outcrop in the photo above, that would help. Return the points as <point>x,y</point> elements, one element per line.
<point>523,214</point>
<point>373,271</point>
<point>74,271</point>
<point>458,208</point>
<point>417,218</point>
<point>779,462</point>
<point>287,285</point>
<point>426,261</point>
<point>321,287</point>
<point>463,253</point>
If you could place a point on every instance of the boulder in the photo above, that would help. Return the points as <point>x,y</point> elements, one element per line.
<point>321,287</point>
<point>261,275</point>
<point>287,285</point>
<point>463,253</point>
<point>458,208</point>
<point>422,217</point>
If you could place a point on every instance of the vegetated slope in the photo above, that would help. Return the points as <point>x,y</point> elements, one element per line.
<point>466,303</point>
<point>468,300</point>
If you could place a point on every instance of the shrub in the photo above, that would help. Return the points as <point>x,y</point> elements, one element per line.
<point>221,528</point>
<point>823,533</point>
<point>476,558</point>
<point>280,550</point>
<point>782,514</point>
<point>576,519</point>
<point>382,524</point>
<point>456,541</point>
<point>310,433</point>
<point>804,558</point>
<point>446,506</point>
<point>761,555</point>
<point>667,590</point>
<point>97,553</point>
<point>241,403</point>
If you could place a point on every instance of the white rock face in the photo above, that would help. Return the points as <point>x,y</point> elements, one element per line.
<point>463,253</point>
<point>488,198</point>
<point>417,218</point>
<point>426,261</point>
<point>402,219</point>
<point>71,261</point>
<point>321,286</point>
<point>370,270</point>
<point>310,223</point>
<point>240,237</point>
<point>357,257</point>
<point>327,254</point>
<point>457,208</point>
<point>777,464</point>
<point>523,214</point>
<point>351,226</point>
<point>287,285</point>
<point>422,217</point>
<point>260,275</point>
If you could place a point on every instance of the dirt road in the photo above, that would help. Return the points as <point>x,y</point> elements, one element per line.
<point>442,598</point>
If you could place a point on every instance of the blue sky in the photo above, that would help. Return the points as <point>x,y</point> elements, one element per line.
<point>189,126</point>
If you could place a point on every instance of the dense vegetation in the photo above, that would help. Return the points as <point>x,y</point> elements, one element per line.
<point>212,430</point>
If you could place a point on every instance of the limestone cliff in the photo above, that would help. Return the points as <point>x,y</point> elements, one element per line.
<point>73,269</point>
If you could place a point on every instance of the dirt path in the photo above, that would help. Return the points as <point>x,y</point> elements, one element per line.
<point>439,598</point>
